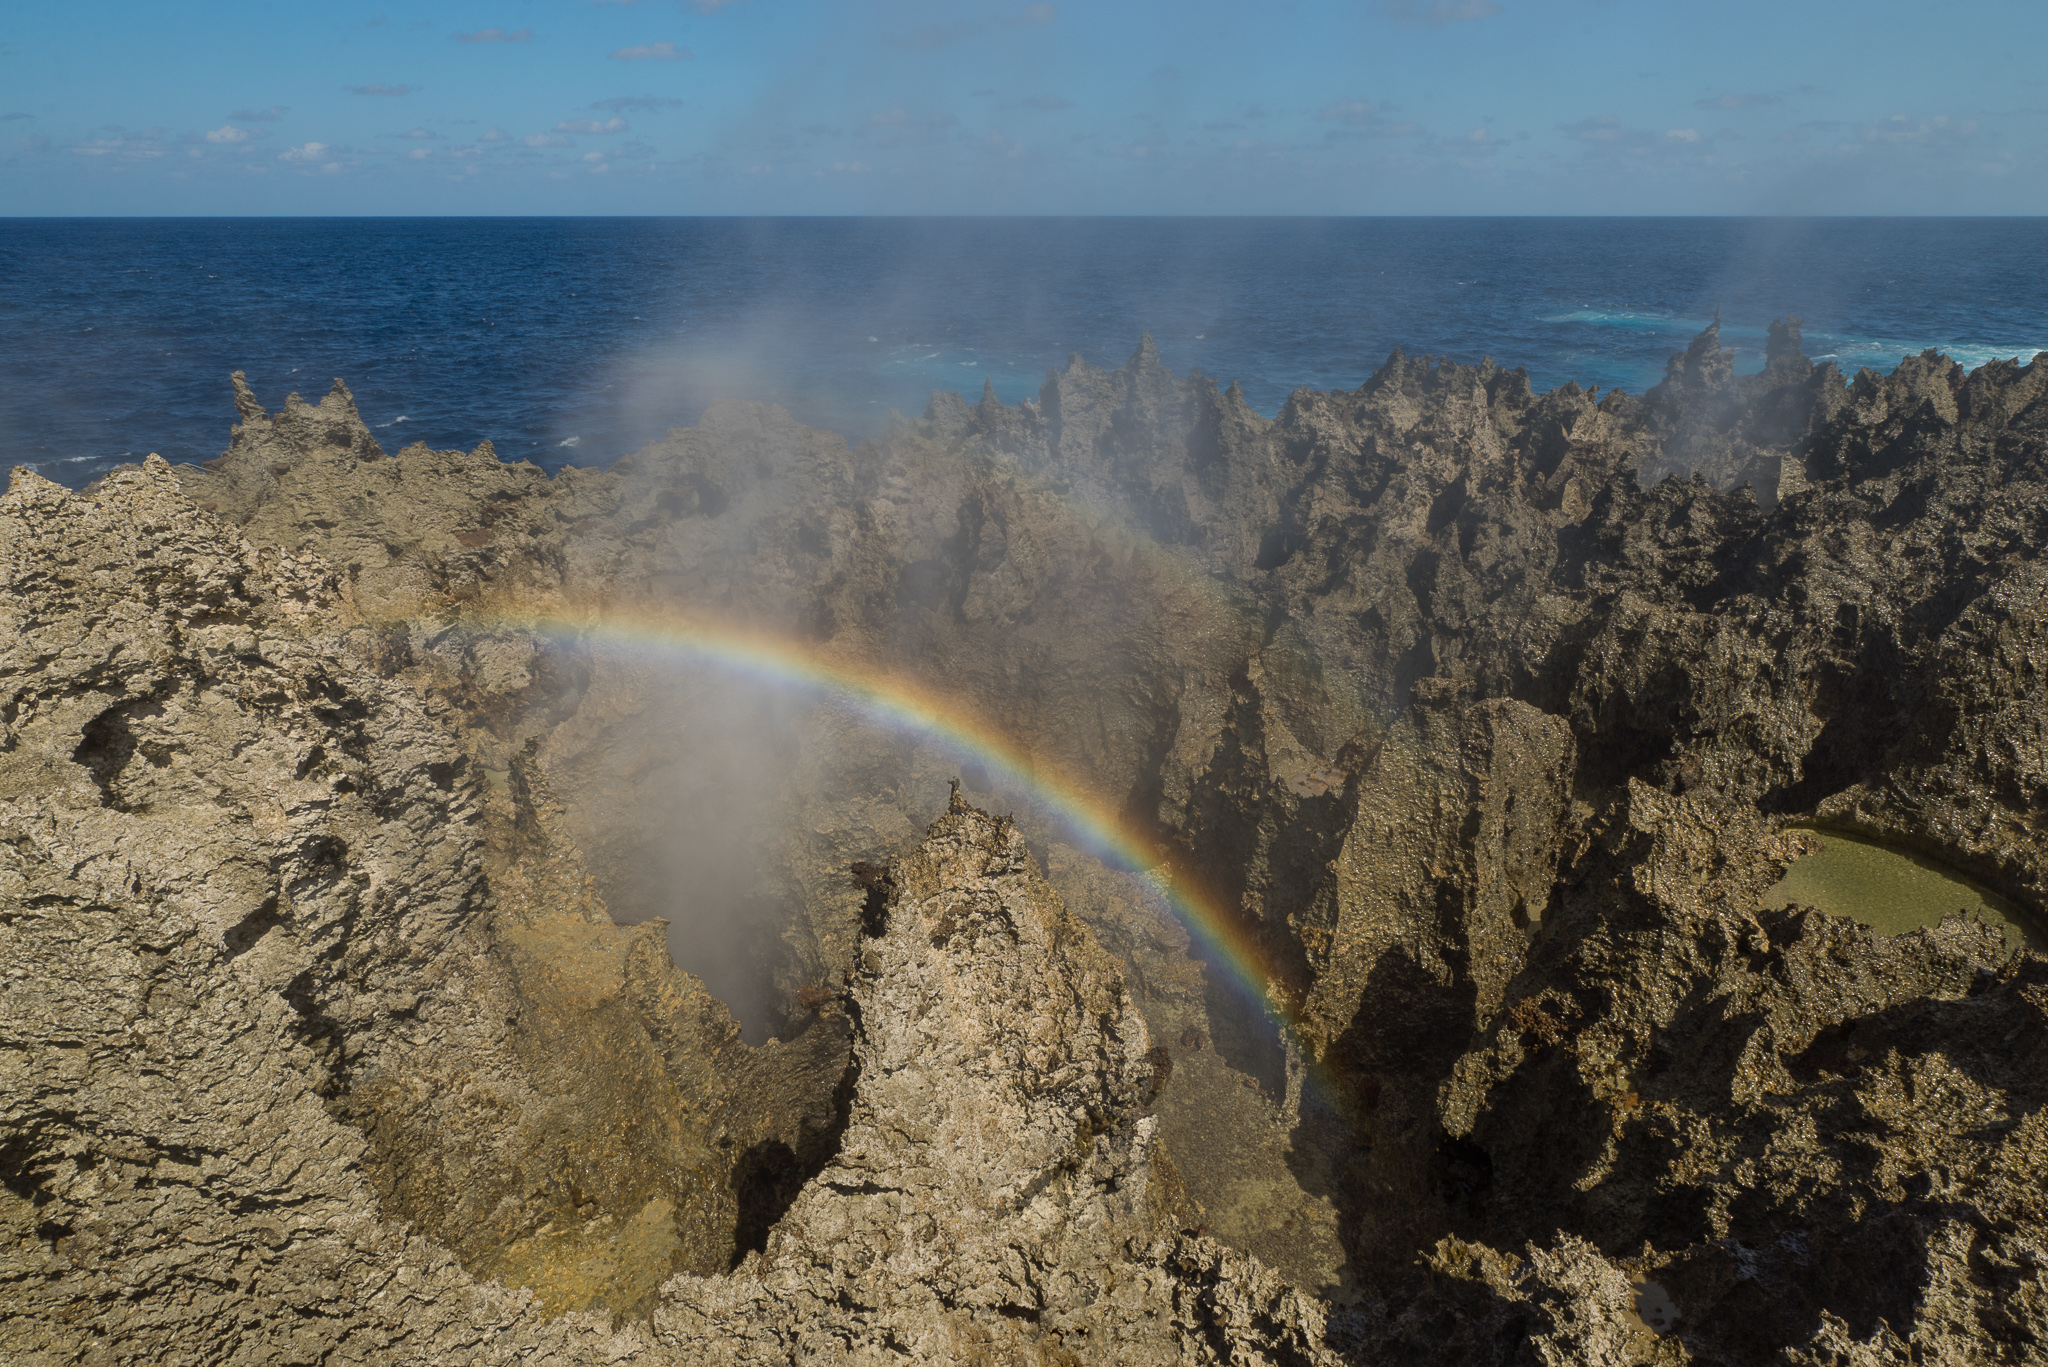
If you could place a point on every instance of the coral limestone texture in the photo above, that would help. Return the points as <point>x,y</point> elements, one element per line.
<point>344,880</point>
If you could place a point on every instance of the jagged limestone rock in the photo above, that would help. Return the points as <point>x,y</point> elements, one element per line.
<point>273,997</point>
<point>260,972</point>
<point>1814,1136</point>
<point>998,1195</point>
<point>234,872</point>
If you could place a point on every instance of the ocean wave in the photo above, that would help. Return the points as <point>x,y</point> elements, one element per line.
<point>1847,350</point>
<point>1855,353</point>
<point>1637,322</point>
<point>836,335</point>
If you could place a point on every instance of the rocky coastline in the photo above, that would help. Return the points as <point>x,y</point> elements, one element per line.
<point>342,900</point>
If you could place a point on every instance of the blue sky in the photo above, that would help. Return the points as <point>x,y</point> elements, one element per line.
<point>1016,106</point>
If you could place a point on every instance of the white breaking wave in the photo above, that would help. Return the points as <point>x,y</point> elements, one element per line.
<point>1851,353</point>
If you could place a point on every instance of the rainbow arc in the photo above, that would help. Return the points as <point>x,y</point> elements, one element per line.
<point>899,702</point>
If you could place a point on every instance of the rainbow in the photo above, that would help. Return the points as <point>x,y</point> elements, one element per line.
<point>901,703</point>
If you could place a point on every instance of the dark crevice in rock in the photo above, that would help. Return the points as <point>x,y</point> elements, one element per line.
<point>771,1174</point>
<point>108,747</point>
<point>243,936</point>
<point>878,889</point>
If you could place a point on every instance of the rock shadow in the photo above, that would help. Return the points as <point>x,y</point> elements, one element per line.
<point>1372,1142</point>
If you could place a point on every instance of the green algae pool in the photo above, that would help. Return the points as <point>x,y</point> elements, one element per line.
<point>1894,889</point>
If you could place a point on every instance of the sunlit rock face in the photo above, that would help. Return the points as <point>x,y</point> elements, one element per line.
<point>998,1191</point>
<point>327,1046</point>
<point>283,966</point>
<point>352,800</point>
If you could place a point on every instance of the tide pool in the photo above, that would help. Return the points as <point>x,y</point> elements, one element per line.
<point>1894,889</point>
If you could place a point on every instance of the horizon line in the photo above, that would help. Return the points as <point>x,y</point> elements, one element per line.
<point>977,217</point>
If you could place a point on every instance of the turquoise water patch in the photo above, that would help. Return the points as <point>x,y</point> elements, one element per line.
<point>1849,352</point>
<point>1894,889</point>
<point>961,370</point>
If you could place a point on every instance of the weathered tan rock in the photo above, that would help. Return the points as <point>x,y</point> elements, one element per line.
<point>997,1195</point>
<point>263,849</point>
<point>1446,871</point>
<point>1371,675</point>
<point>238,875</point>
<point>315,1046</point>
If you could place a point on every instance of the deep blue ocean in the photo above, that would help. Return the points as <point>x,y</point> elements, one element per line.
<point>575,340</point>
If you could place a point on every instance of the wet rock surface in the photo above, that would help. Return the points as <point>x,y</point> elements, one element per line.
<point>338,1025</point>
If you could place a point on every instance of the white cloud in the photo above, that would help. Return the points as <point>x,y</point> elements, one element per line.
<point>614,124</point>
<point>496,35</point>
<point>228,133</point>
<point>1364,119</point>
<point>663,51</point>
<point>418,134</point>
<point>593,156</point>
<point>142,146</point>
<point>420,153</point>
<point>495,135</point>
<point>270,115</point>
<point>1598,128</point>
<point>309,152</point>
<point>1606,136</point>
<point>1000,145</point>
<point>549,140</point>
<point>1349,111</point>
<point>1941,130</point>
<point>379,88</point>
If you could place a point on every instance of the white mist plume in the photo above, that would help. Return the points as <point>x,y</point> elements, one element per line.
<point>708,756</point>
<point>723,768</point>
